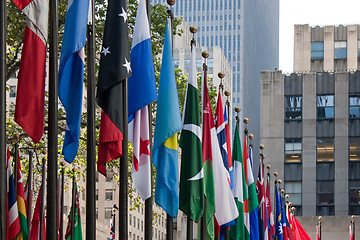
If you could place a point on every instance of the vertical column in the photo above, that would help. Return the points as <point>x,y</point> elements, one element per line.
<point>329,48</point>
<point>352,47</point>
<point>302,48</point>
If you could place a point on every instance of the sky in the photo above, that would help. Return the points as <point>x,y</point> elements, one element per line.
<point>312,12</point>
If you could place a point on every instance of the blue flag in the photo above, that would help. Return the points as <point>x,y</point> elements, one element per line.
<point>168,123</point>
<point>278,215</point>
<point>142,85</point>
<point>71,73</point>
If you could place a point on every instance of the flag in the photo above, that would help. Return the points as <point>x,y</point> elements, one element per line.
<point>262,209</point>
<point>317,232</point>
<point>269,211</point>
<point>29,110</point>
<point>71,73</point>
<point>239,231</point>
<point>191,198</point>
<point>168,123</point>
<point>142,91</point>
<point>252,200</point>
<point>278,220</point>
<point>351,232</point>
<point>35,222</point>
<point>112,230</point>
<point>299,232</point>
<point>225,207</point>
<point>114,69</point>
<point>12,216</point>
<point>77,219</point>
<point>223,137</point>
<point>21,204</point>
<point>287,232</point>
<point>27,189</point>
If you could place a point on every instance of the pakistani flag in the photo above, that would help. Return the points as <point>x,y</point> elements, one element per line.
<point>238,231</point>
<point>191,199</point>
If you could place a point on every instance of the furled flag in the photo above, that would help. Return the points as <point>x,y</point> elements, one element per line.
<point>287,232</point>
<point>225,207</point>
<point>77,219</point>
<point>168,123</point>
<point>71,73</point>
<point>28,188</point>
<point>114,69</point>
<point>262,209</point>
<point>191,198</point>
<point>317,232</point>
<point>112,230</point>
<point>351,232</point>
<point>299,232</point>
<point>269,211</point>
<point>30,97</point>
<point>35,223</point>
<point>142,91</point>
<point>12,216</point>
<point>21,204</point>
<point>252,200</point>
<point>222,131</point>
<point>239,231</point>
<point>278,214</point>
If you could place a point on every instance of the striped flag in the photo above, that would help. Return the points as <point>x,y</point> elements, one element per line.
<point>35,222</point>
<point>77,219</point>
<point>168,123</point>
<point>21,205</point>
<point>71,73</point>
<point>142,91</point>
<point>29,110</point>
<point>262,209</point>
<point>13,222</point>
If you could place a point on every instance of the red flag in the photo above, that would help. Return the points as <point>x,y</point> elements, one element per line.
<point>110,143</point>
<point>35,223</point>
<point>269,211</point>
<point>299,232</point>
<point>27,189</point>
<point>317,233</point>
<point>351,232</point>
<point>262,209</point>
<point>29,111</point>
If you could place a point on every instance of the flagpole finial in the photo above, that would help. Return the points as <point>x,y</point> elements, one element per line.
<point>251,136</point>
<point>227,93</point>
<point>263,156</point>
<point>193,30</point>
<point>246,120</point>
<point>290,203</point>
<point>319,218</point>
<point>170,2</point>
<point>293,209</point>
<point>353,217</point>
<point>262,146</point>
<point>268,167</point>
<point>237,109</point>
<point>62,163</point>
<point>221,75</point>
<point>287,196</point>
<point>279,181</point>
<point>282,190</point>
<point>276,174</point>
<point>205,54</point>
<point>74,170</point>
<point>44,151</point>
<point>31,144</point>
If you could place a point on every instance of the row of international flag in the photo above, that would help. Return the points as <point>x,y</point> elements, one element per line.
<point>18,205</point>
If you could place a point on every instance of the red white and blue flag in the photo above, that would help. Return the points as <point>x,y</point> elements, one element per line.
<point>262,209</point>
<point>112,230</point>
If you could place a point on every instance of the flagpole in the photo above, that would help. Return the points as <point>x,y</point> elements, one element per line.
<point>149,201</point>
<point>73,204</point>
<point>91,142</point>
<point>62,201</point>
<point>29,195</point>
<point>169,219</point>
<point>42,208</point>
<point>52,171</point>
<point>3,118</point>
<point>227,94</point>
<point>319,226</point>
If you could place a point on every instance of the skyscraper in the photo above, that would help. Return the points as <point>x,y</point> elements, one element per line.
<point>248,33</point>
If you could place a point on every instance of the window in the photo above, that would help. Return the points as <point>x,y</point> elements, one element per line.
<point>83,195</point>
<point>97,194</point>
<point>142,226</point>
<point>325,106</point>
<point>354,148</point>
<point>108,212</point>
<point>354,107</point>
<point>293,110</point>
<point>138,226</point>
<point>109,178</point>
<point>325,149</point>
<point>96,213</point>
<point>340,49</point>
<point>108,194</point>
<point>294,191</point>
<point>317,50</point>
<point>354,197</point>
<point>12,91</point>
<point>293,149</point>
<point>130,218</point>
<point>134,221</point>
<point>97,176</point>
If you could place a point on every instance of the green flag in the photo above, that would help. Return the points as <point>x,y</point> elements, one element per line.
<point>77,220</point>
<point>191,198</point>
<point>238,231</point>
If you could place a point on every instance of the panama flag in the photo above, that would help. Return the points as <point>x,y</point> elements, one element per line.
<point>269,211</point>
<point>225,207</point>
<point>29,110</point>
<point>238,231</point>
<point>191,196</point>
<point>142,91</point>
<point>278,222</point>
<point>21,204</point>
<point>262,210</point>
<point>13,222</point>
<point>168,123</point>
<point>71,73</point>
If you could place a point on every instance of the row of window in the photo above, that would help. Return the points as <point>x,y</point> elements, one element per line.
<point>340,50</point>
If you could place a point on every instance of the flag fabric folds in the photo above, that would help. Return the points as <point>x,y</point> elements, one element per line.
<point>112,230</point>
<point>35,222</point>
<point>239,231</point>
<point>287,232</point>
<point>71,73</point>
<point>12,216</point>
<point>269,211</point>
<point>278,218</point>
<point>168,123</point>
<point>252,202</point>
<point>317,233</point>
<point>114,69</point>
<point>29,110</point>
<point>77,219</point>
<point>142,91</point>
<point>28,201</point>
<point>299,231</point>
<point>21,205</point>
<point>262,209</point>
<point>351,232</point>
<point>191,196</point>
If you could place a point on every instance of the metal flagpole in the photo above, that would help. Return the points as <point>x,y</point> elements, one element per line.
<point>91,143</point>
<point>42,208</point>
<point>73,204</point>
<point>29,195</point>
<point>3,118</point>
<point>52,172</point>
<point>62,201</point>
<point>149,201</point>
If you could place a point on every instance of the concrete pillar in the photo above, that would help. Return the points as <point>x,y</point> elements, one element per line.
<point>352,47</point>
<point>302,48</point>
<point>329,46</point>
